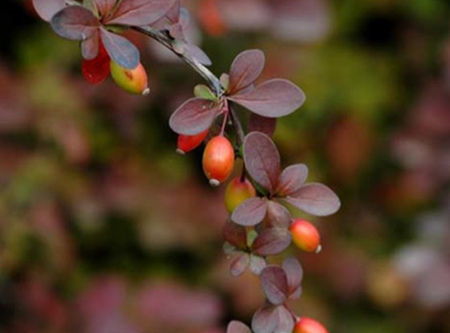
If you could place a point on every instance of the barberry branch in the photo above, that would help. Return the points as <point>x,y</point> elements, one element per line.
<point>167,41</point>
<point>213,81</point>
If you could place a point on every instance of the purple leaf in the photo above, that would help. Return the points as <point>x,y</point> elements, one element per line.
<point>105,6</point>
<point>262,159</point>
<point>277,215</point>
<point>273,98</point>
<point>294,275</point>
<point>262,124</point>
<point>176,31</point>
<point>47,8</point>
<point>75,22</point>
<point>120,49</point>
<point>257,264</point>
<point>90,47</point>
<point>274,284</point>
<point>235,234</point>
<point>250,212</point>
<point>193,116</point>
<point>173,14</point>
<point>239,263</point>
<point>245,69</point>
<point>184,18</point>
<point>291,179</point>
<point>238,327</point>
<point>271,241</point>
<point>265,320</point>
<point>140,12</point>
<point>285,321</point>
<point>315,199</point>
<point>197,53</point>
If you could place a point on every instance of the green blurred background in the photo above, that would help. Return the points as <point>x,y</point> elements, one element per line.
<point>105,229</point>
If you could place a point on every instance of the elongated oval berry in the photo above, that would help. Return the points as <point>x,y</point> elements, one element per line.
<point>96,71</point>
<point>218,160</point>
<point>186,143</point>
<point>305,235</point>
<point>309,325</point>
<point>237,192</point>
<point>132,80</point>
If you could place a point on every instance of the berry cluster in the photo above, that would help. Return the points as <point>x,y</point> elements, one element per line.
<point>260,223</point>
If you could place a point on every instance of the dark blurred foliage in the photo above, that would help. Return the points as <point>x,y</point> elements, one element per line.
<point>103,228</point>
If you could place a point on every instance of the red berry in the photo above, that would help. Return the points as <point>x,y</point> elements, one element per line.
<point>132,80</point>
<point>96,71</point>
<point>218,160</point>
<point>186,143</point>
<point>309,325</point>
<point>210,17</point>
<point>305,235</point>
<point>237,192</point>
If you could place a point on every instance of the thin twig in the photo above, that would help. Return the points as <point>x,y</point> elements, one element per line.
<point>212,80</point>
<point>165,40</point>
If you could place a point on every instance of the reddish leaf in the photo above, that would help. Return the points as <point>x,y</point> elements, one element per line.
<point>257,264</point>
<point>235,234</point>
<point>274,284</point>
<point>173,14</point>
<point>197,53</point>
<point>120,49</point>
<point>273,319</point>
<point>176,31</point>
<point>140,12</point>
<point>237,327</point>
<point>277,215</point>
<point>315,199</point>
<point>47,8</point>
<point>245,69</point>
<point>193,116</point>
<point>96,71</point>
<point>273,98</point>
<point>262,124</point>
<point>90,46</point>
<point>105,6</point>
<point>239,263</point>
<point>250,212</point>
<point>285,321</point>
<point>291,179</point>
<point>75,22</point>
<point>265,320</point>
<point>294,275</point>
<point>271,241</point>
<point>262,159</point>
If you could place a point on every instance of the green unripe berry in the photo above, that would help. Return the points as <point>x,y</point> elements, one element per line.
<point>237,192</point>
<point>131,80</point>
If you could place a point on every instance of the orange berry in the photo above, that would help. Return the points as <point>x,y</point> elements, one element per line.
<point>186,143</point>
<point>309,325</point>
<point>132,80</point>
<point>237,192</point>
<point>305,235</point>
<point>218,160</point>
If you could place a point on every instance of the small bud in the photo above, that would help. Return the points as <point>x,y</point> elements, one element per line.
<point>131,80</point>
<point>309,325</point>
<point>218,160</point>
<point>305,235</point>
